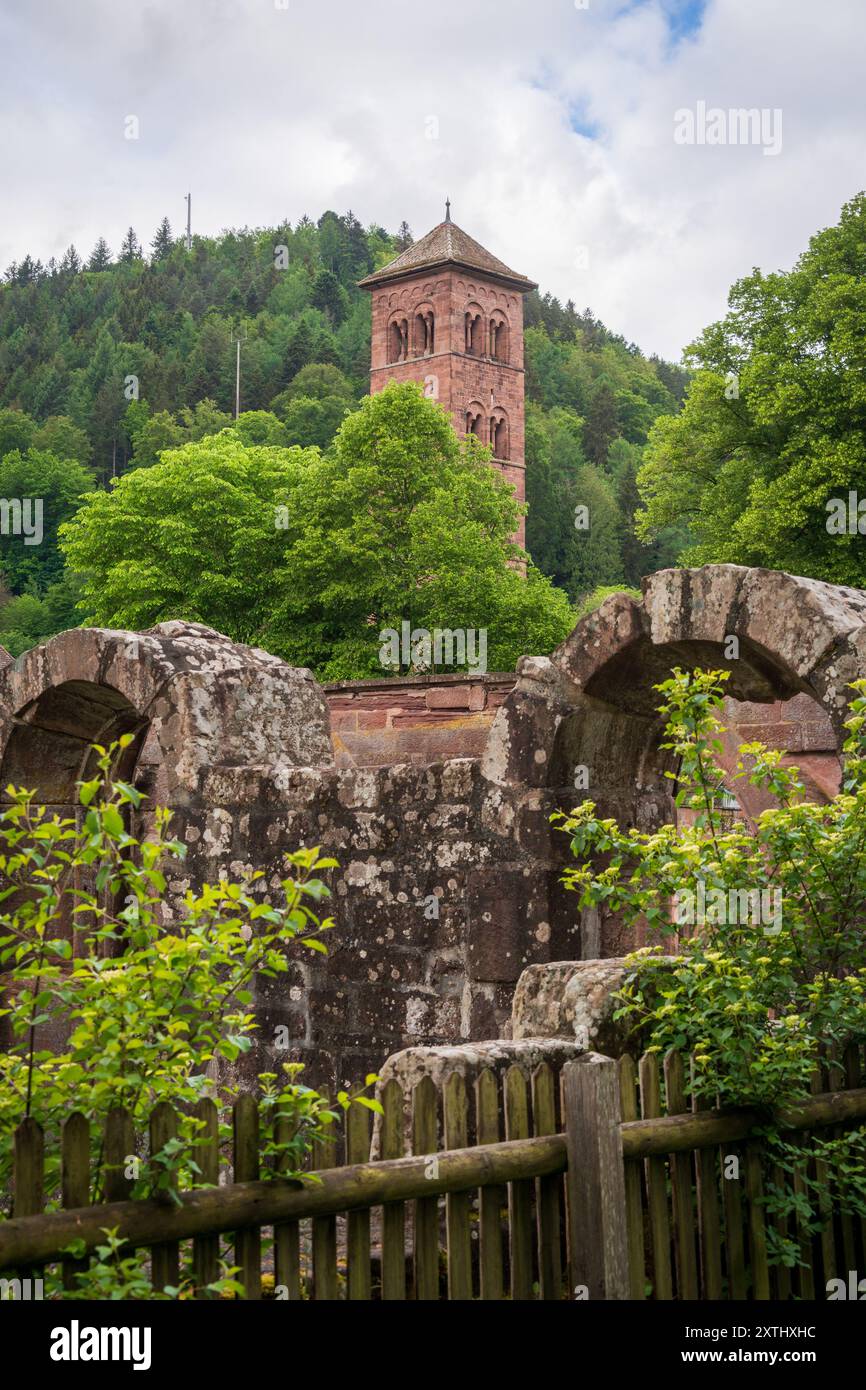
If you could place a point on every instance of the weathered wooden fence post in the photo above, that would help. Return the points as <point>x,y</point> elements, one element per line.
<point>596,1178</point>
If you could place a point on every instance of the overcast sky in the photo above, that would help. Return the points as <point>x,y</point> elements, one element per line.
<point>551,126</point>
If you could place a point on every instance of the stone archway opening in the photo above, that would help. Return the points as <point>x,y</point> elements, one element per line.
<point>212,722</point>
<point>584,724</point>
<point>50,749</point>
<point>50,746</point>
<point>609,748</point>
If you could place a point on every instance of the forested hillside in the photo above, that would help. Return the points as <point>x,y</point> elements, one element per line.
<point>71,333</point>
<point>108,360</point>
<point>591,400</point>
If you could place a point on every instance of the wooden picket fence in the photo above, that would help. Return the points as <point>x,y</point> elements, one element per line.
<point>500,1233</point>
<point>532,1187</point>
<point>695,1188</point>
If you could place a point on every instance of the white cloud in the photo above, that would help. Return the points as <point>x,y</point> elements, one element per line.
<point>268,113</point>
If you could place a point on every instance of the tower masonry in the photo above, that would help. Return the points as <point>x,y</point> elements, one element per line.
<point>449,314</point>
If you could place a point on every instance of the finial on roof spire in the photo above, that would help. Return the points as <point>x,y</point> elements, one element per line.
<point>447,209</point>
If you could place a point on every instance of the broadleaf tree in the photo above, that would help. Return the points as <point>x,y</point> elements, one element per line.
<point>312,556</point>
<point>772,439</point>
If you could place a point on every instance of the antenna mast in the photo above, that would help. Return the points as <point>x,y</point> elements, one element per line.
<point>238,340</point>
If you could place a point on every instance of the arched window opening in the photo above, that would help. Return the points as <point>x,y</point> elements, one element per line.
<point>474,422</point>
<point>424,333</point>
<point>474,333</point>
<point>499,435</point>
<point>398,340</point>
<point>499,338</point>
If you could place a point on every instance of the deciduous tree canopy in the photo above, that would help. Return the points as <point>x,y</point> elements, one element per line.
<point>774,424</point>
<point>312,555</point>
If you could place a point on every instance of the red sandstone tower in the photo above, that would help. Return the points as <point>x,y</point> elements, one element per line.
<point>450,315</point>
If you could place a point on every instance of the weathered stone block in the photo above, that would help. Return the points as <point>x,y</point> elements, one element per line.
<point>574,999</point>
<point>468,1060</point>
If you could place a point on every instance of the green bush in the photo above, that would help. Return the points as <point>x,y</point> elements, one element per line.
<point>149,1009</point>
<point>772,972</point>
<point>594,600</point>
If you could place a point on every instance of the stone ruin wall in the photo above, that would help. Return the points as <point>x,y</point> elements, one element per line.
<point>428,719</point>
<point>448,886</point>
<point>237,744</point>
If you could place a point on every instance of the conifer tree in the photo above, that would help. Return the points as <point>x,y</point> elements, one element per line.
<point>71,262</point>
<point>130,247</point>
<point>300,350</point>
<point>100,256</point>
<point>601,425</point>
<point>329,296</point>
<point>163,241</point>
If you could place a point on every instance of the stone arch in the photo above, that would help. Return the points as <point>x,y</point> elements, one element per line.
<point>473,327</point>
<point>498,336</point>
<point>194,699</point>
<point>591,705</point>
<point>423,330</point>
<point>207,715</point>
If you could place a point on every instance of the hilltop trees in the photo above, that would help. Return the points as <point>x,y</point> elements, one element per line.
<point>100,256</point>
<point>168,321</point>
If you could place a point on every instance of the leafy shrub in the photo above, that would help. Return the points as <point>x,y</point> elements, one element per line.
<point>774,976</point>
<point>151,1010</point>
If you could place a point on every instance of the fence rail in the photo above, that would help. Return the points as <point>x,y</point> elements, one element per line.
<point>210,1211</point>
<point>592,1192</point>
<point>698,1224</point>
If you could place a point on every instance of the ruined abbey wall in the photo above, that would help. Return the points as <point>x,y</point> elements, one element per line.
<point>448,885</point>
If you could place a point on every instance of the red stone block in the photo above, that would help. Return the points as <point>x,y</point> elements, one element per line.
<point>449,697</point>
<point>372,719</point>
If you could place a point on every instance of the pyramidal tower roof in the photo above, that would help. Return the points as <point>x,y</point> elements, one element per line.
<point>447,244</point>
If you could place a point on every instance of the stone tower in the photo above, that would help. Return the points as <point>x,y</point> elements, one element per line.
<point>450,315</point>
